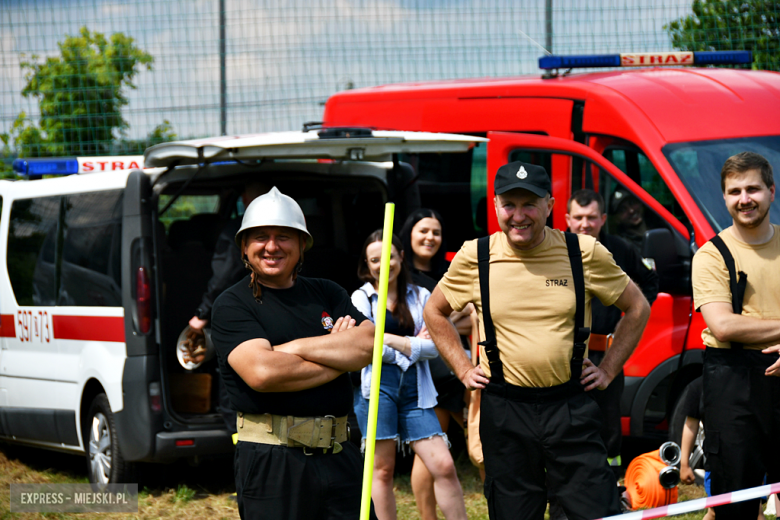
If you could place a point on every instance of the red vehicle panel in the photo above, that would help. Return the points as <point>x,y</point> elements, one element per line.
<point>659,135</point>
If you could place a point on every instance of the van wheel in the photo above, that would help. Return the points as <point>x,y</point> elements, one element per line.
<point>676,425</point>
<point>105,464</point>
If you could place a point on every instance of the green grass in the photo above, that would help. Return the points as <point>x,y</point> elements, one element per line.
<point>180,491</point>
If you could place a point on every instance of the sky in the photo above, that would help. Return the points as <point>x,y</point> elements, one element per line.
<point>285,57</point>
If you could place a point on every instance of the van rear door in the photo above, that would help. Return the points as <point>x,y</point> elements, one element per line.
<point>358,145</point>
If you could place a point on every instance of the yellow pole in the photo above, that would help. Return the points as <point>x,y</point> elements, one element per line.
<point>376,370</point>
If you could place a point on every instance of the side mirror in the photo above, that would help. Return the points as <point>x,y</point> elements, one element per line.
<point>673,274</point>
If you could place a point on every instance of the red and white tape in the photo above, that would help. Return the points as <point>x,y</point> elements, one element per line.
<point>701,503</point>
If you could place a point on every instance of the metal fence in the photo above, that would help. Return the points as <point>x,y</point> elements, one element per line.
<point>241,66</point>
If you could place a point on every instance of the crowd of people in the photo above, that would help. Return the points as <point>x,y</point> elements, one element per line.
<point>558,315</point>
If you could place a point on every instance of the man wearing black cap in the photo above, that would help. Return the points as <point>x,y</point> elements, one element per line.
<point>538,427</point>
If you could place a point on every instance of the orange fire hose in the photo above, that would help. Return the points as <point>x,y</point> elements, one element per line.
<point>642,483</point>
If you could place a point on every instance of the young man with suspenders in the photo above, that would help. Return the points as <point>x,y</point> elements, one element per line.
<point>532,287</point>
<point>736,287</point>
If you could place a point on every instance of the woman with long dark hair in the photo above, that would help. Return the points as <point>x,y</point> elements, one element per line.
<point>423,237</point>
<point>406,392</point>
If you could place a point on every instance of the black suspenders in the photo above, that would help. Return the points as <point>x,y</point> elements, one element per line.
<point>737,284</point>
<point>581,332</point>
<point>491,347</point>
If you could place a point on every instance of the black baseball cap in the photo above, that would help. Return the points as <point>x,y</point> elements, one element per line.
<point>524,176</point>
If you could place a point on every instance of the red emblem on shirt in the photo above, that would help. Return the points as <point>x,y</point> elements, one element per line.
<point>327,321</point>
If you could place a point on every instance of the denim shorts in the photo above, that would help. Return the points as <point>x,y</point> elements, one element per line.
<point>399,416</point>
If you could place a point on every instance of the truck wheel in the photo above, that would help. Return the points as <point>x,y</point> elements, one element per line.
<point>676,425</point>
<point>105,464</point>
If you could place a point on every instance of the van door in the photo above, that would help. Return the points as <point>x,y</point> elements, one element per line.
<point>665,333</point>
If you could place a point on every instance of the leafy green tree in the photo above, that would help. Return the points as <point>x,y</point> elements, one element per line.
<point>720,25</point>
<point>161,133</point>
<point>80,94</point>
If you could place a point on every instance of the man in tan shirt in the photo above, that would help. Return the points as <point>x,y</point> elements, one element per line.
<point>538,427</point>
<point>741,398</point>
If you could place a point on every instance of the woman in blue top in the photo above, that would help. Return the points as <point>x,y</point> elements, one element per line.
<point>406,392</point>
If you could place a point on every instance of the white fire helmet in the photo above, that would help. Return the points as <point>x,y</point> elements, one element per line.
<point>274,209</point>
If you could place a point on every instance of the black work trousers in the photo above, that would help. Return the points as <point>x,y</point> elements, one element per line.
<point>281,483</point>
<point>609,404</point>
<point>545,437</point>
<point>741,425</point>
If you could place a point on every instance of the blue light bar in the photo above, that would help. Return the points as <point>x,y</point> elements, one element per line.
<point>579,62</point>
<point>646,59</point>
<point>722,57</point>
<point>59,166</point>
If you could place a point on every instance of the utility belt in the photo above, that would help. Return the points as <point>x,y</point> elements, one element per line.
<point>524,394</point>
<point>326,432</point>
<point>599,342</point>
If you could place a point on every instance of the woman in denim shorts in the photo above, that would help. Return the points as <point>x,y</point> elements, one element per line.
<point>406,393</point>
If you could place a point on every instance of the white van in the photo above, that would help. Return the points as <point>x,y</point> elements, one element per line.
<point>103,270</point>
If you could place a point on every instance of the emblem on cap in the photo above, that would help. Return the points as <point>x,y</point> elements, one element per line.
<point>521,173</point>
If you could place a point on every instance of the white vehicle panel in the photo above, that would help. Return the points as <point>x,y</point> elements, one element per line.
<point>304,144</point>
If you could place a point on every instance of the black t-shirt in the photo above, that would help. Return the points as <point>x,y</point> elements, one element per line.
<point>284,315</point>
<point>605,319</point>
<point>692,406</point>
<point>423,279</point>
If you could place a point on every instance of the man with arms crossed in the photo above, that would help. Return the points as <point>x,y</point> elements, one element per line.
<point>538,427</point>
<point>285,344</point>
<point>741,391</point>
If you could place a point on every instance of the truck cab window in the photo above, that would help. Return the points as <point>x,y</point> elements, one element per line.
<point>638,167</point>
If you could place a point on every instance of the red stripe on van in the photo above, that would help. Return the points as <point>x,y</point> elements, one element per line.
<point>89,328</point>
<point>7,326</point>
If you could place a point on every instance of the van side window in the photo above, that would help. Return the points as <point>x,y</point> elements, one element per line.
<point>66,250</point>
<point>186,206</point>
<point>91,253</point>
<point>32,246</point>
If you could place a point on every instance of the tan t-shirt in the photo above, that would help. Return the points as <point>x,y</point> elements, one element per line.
<point>762,265</point>
<point>532,301</point>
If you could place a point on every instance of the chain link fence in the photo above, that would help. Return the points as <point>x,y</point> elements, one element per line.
<point>90,77</point>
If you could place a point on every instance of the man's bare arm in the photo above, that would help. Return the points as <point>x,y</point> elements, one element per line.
<point>727,326</point>
<point>627,334</point>
<point>445,336</point>
<point>284,368</point>
<point>346,349</point>
<point>267,370</point>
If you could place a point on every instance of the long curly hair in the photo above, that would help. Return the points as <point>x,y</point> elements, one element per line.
<point>401,311</point>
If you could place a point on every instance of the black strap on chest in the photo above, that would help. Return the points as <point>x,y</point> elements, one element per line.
<point>581,333</point>
<point>491,347</point>
<point>737,281</point>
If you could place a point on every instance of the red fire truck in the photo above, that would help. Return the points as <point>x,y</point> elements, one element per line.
<point>657,136</point>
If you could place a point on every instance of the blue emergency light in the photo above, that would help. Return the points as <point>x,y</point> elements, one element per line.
<point>646,59</point>
<point>58,166</point>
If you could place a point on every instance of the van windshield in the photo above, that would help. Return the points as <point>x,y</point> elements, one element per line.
<point>698,165</point>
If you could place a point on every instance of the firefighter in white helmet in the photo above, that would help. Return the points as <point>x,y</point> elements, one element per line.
<point>285,344</point>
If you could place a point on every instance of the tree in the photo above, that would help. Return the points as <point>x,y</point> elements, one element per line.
<point>719,25</point>
<point>80,94</point>
<point>161,133</point>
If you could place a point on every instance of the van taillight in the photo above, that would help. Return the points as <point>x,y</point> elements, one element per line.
<point>143,300</point>
<point>155,399</point>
